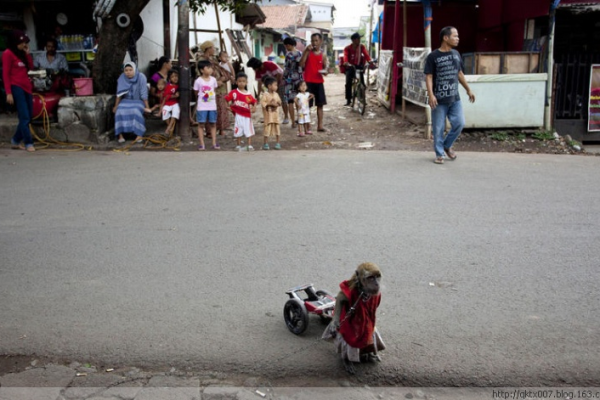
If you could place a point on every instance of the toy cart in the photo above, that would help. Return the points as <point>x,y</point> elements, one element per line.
<point>304,300</point>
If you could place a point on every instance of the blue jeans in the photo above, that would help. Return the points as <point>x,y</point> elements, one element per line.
<point>454,112</point>
<point>203,117</point>
<point>24,104</point>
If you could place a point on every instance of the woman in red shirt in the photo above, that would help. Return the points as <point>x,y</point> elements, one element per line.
<point>16,62</point>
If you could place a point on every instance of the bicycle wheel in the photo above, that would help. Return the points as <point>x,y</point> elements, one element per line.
<point>354,88</point>
<point>361,96</point>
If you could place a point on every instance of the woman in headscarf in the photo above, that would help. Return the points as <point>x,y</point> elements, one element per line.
<point>164,66</point>
<point>222,76</point>
<point>17,62</point>
<point>131,103</point>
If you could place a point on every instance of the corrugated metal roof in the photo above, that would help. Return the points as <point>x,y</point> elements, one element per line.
<point>285,16</point>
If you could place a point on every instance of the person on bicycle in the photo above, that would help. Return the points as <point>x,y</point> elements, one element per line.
<point>355,56</point>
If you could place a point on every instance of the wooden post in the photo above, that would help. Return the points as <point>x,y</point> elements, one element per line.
<point>428,17</point>
<point>394,90</point>
<point>221,43</point>
<point>195,30</point>
<point>405,44</point>
<point>183,42</point>
<point>167,28</point>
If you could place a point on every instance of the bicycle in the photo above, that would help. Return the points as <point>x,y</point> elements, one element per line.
<point>359,91</point>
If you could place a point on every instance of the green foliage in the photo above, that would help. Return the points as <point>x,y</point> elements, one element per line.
<point>543,135</point>
<point>521,136</point>
<point>199,6</point>
<point>574,143</point>
<point>499,136</point>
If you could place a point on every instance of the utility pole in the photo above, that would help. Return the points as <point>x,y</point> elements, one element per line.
<point>183,43</point>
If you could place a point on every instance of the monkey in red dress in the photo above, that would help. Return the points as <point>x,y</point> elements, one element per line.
<point>353,326</point>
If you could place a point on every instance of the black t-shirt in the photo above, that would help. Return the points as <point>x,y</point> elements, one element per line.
<point>444,66</point>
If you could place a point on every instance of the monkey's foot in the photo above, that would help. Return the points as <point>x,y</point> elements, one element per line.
<point>349,366</point>
<point>370,357</point>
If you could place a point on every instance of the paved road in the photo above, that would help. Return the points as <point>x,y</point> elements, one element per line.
<point>183,259</point>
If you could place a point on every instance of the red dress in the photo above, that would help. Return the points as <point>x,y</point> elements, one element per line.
<point>358,329</point>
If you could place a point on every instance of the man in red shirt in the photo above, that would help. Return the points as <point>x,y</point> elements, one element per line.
<point>314,62</point>
<point>355,56</point>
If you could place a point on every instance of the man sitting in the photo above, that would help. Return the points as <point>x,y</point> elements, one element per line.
<point>51,60</point>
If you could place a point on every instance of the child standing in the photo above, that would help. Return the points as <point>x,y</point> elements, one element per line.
<point>270,102</point>
<point>206,108</point>
<point>225,64</point>
<point>160,90</point>
<point>170,102</point>
<point>302,100</point>
<point>242,105</point>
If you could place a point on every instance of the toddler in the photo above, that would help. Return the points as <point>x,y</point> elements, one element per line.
<point>170,102</point>
<point>206,108</point>
<point>242,104</point>
<point>270,102</point>
<point>302,100</point>
<point>160,90</point>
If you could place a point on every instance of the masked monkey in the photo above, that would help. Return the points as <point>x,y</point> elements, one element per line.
<point>353,326</point>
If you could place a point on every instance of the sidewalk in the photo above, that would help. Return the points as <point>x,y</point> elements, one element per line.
<point>75,382</point>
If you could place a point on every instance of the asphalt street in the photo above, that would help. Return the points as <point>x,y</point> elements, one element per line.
<point>490,263</point>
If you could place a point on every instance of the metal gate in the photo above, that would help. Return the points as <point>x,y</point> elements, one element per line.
<point>573,84</point>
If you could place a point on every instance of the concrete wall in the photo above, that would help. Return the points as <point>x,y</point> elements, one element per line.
<point>208,21</point>
<point>151,45</point>
<point>505,101</point>
<point>321,13</point>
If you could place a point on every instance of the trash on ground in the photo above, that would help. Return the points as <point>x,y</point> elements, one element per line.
<point>81,374</point>
<point>110,369</point>
<point>261,394</point>
<point>366,145</point>
<point>327,143</point>
<point>341,117</point>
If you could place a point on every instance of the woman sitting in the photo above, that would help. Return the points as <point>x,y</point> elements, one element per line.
<point>131,103</point>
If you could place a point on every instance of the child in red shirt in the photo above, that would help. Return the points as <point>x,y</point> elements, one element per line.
<point>242,104</point>
<point>170,102</point>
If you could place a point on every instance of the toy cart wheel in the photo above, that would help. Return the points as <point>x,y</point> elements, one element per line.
<point>295,316</point>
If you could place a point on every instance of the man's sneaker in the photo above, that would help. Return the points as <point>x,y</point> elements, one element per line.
<point>277,146</point>
<point>238,148</point>
<point>348,104</point>
<point>250,148</point>
<point>266,146</point>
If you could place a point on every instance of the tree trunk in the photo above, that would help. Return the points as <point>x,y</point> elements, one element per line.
<point>112,45</point>
<point>183,42</point>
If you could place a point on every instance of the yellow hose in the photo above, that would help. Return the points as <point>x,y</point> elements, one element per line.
<point>47,141</point>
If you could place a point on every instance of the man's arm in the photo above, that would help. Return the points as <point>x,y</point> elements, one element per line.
<point>365,53</point>
<point>346,57</point>
<point>432,100</point>
<point>305,54</point>
<point>463,82</point>
<point>36,62</point>
<point>62,64</point>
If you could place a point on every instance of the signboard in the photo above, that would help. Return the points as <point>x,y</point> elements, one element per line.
<point>384,76</point>
<point>414,86</point>
<point>594,105</point>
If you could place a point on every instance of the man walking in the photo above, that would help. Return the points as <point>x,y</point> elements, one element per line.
<point>443,71</point>
<point>355,56</point>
